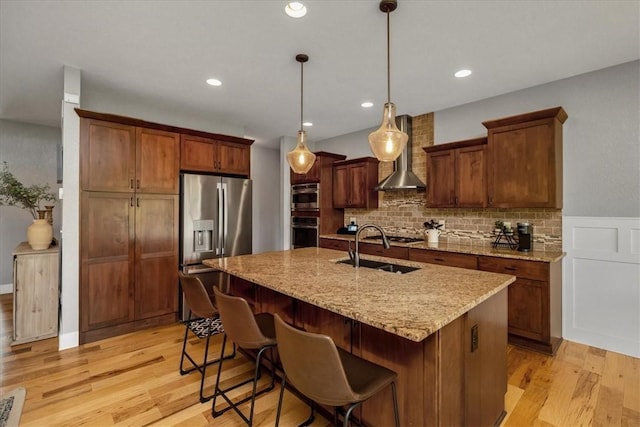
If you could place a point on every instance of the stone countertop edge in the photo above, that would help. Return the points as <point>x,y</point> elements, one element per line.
<point>480,249</point>
<point>412,305</point>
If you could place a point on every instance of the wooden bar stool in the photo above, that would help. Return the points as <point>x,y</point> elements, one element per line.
<point>250,332</point>
<point>327,374</point>
<point>205,325</point>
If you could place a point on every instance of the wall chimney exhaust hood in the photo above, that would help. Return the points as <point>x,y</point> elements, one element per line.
<point>402,178</point>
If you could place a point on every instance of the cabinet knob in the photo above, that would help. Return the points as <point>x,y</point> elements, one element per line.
<point>131,184</point>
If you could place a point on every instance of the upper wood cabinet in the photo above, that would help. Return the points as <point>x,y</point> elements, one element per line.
<point>123,158</point>
<point>456,174</point>
<point>212,155</point>
<point>323,161</point>
<point>525,158</point>
<point>353,183</point>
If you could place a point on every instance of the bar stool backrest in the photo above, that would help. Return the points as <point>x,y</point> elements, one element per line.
<point>312,364</point>
<point>239,322</point>
<point>196,296</point>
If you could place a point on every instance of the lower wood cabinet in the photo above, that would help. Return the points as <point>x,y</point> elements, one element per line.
<point>129,259</point>
<point>535,298</point>
<point>449,259</point>
<point>35,293</point>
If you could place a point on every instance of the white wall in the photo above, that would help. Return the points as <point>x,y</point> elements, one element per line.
<point>266,216</point>
<point>31,155</point>
<point>600,138</point>
<point>352,145</point>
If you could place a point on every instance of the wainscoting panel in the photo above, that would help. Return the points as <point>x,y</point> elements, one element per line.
<point>601,283</point>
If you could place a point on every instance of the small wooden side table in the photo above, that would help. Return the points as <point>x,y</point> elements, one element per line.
<point>36,293</point>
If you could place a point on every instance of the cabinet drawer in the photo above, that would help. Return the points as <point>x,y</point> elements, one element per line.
<point>379,250</point>
<point>340,245</point>
<point>449,259</point>
<point>528,269</point>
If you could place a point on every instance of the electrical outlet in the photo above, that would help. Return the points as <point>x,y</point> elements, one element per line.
<point>441,222</point>
<point>474,338</point>
<point>352,219</point>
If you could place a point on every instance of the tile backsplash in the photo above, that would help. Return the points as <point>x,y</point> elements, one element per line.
<point>404,212</point>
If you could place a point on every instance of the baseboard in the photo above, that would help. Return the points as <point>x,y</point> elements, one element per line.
<point>6,289</point>
<point>68,340</point>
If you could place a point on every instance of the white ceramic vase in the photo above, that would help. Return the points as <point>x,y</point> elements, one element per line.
<point>39,234</point>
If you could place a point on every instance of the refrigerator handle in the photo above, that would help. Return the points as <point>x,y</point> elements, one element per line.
<point>225,217</point>
<point>220,242</point>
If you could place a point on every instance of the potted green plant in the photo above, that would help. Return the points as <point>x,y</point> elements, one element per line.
<point>14,193</point>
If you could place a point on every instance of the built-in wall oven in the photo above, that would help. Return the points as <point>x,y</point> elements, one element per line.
<point>304,231</point>
<point>305,197</point>
<point>305,209</point>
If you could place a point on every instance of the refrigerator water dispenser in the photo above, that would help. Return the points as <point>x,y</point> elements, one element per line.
<point>203,235</point>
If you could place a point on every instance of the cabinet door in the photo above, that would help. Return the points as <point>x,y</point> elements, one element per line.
<point>156,255</point>
<point>233,158</point>
<point>529,309</point>
<point>522,170</point>
<point>441,178</point>
<point>157,161</point>
<point>358,186</point>
<point>107,156</point>
<point>106,274</point>
<point>196,154</point>
<point>341,186</point>
<point>471,177</point>
<point>35,297</point>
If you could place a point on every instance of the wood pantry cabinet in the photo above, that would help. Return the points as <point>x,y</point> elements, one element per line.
<point>200,154</point>
<point>456,174</point>
<point>525,158</point>
<point>128,226</point>
<point>36,293</point>
<point>353,183</point>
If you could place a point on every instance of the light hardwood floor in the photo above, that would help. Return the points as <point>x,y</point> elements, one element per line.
<point>134,380</point>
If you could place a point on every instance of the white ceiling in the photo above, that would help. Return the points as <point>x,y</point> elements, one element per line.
<point>164,50</point>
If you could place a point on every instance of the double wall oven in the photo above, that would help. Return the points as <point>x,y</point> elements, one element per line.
<point>305,213</point>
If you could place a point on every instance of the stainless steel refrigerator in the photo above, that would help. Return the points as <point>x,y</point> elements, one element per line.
<point>215,221</point>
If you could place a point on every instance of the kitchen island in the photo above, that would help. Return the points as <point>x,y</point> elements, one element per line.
<point>442,329</point>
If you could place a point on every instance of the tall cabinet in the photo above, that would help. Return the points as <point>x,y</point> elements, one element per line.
<point>129,178</point>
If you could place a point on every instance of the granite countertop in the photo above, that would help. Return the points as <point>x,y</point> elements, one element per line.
<point>412,305</point>
<point>479,249</point>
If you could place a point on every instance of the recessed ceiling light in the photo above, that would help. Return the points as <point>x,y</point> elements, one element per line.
<point>462,73</point>
<point>214,82</point>
<point>366,104</point>
<point>295,9</point>
<point>307,124</point>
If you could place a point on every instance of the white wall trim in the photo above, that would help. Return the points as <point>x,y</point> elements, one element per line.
<point>6,289</point>
<point>68,340</point>
<point>601,283</point>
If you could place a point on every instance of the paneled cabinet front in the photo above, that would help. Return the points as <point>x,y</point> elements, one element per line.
<point>456,174</point>
<point>123,158</point>
<point>128,227</point>
<point>354,182</point>
<point>200,154</point>
<point>128,260</point>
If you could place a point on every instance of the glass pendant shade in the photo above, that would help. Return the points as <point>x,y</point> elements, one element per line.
<point>388,141</point>
<point>300,158</point>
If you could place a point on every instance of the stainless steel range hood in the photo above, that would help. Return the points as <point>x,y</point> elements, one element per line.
<point>402,178</point>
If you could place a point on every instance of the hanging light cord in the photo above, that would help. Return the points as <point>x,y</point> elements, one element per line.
<point>301,89</point>
<point>388,60</point>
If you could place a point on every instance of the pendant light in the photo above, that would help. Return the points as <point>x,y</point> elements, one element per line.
<point>388,141</point>
<point>300,158</point>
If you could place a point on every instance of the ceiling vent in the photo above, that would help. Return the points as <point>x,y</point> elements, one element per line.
<point>402,178</point>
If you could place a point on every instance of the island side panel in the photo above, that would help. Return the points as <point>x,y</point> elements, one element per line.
<point>486,373</point>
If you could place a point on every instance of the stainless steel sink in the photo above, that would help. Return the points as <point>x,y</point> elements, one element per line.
<point>383,266</point>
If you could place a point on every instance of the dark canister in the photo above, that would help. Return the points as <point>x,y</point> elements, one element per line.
<point>525,237</point>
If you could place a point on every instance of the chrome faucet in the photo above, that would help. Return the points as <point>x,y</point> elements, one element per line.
<point>355,255</point>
